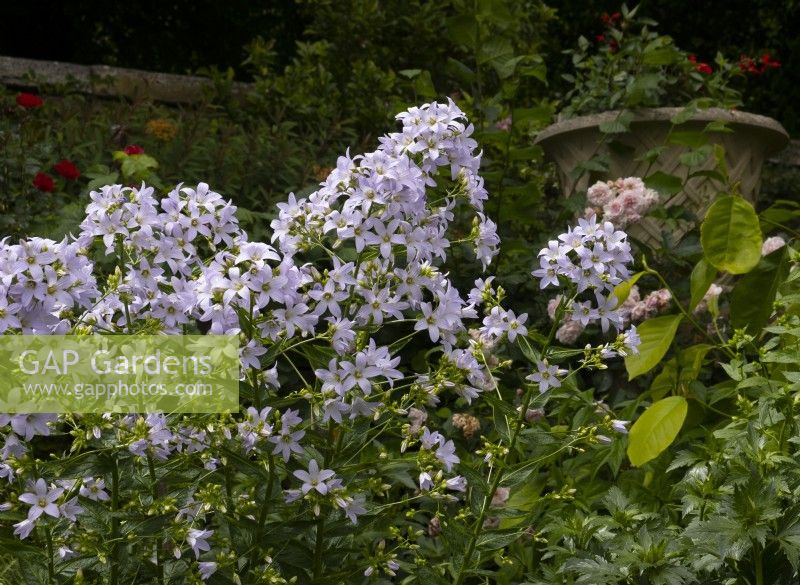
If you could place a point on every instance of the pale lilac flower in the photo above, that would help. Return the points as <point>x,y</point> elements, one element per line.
<point>207,569</point>
<point>24,528</point>
<point>41,499</point>
<point>287,443</point>
<point>70,509</point>
<point>65,553</point>
<point>430,438</point>
<point>457,483</point>
<point>353,507</point>
<point>446,454</point>
<point>198,541</point>
<point>621,426</point>
<point>94,490</point>
<point>314,478</point>
<point>546,377</point>
<point>425,481</point>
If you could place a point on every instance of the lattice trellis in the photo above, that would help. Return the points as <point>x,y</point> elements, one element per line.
<point>752,140</point>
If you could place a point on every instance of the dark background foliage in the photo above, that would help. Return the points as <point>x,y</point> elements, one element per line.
<point>184,36</point>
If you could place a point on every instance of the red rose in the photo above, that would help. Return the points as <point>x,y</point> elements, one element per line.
<point>767,61</point>
<point>29,101</point>
<point>134,149</point>
<point>44,182</point>
<point>67,169</point>
<point>692,58</point>
<point>616,16</point>
<point>704,68</point>
<point>600,38</point>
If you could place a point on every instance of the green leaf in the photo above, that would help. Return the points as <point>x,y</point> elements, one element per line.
<point>505,67</point>
<point>697,156</point>
<point>754,294</point>
<point>528,153</point>
<point>618,125</point>
<point>690,361</point>
<point>688,138</point>
<point>497,539</point>
<point>623,289</point>
<point>703,274</point>
<point>462,30</point>
<point>661,56</point>
<point>782,211</point>
<point>460,71</point>
<point>423,85</point>
<point>497,50</point>
<point>664,183</point>
<point>138,166</point>
<point>656,335</point>
<point>538,115</point>
<point>731,235</point>
<point>102,180</point>
<point>656,429</point>
<point>651,156</point>
<point>684,115</point>
<point>666,381</point>
<point>410,73</point>
<point>522,499</point>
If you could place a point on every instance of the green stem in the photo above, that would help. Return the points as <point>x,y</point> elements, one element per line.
<point>487,500</point>
<point>520,423</point>
<point>686,314</point>
<point>114,520</point>
<point>759,564</point>
<point>319,542</point>
<point>51,573</point>
<point>262,516</point>
<point>795,233</point>
<point>154,493</point>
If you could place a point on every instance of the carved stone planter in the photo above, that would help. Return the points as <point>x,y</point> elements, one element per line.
<point>753,139</point>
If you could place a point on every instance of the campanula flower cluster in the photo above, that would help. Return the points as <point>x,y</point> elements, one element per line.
<point>361,256</point>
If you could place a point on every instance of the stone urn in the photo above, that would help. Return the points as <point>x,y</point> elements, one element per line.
<point>751,141</point>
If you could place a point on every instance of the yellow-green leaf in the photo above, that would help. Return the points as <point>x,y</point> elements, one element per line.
<point>731,235</point>
<point>656,429</point>
<point>623,290</point>
<point>656,335</point>
<point>703,275</point>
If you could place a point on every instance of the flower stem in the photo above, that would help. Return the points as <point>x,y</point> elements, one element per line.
<point>487,500</point>
<point>114,520</point>
<point>262,517</point>
<point>51,574</point>
<point>154,492</point>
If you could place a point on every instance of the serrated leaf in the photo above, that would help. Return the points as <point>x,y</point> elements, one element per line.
<point>522,499</point>
<point>656,429</point>
<point>731,235</point>
<point>496,539</point>
<point>656,335</point>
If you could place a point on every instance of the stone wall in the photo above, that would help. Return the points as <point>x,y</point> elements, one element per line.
<point>107,81</point>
